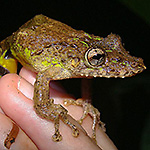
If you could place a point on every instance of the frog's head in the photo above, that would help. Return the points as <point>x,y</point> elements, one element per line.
<point>108,58</point>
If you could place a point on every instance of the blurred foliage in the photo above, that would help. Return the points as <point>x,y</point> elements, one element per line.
<point>140,7</point>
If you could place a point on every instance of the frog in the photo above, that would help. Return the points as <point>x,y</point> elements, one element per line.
<point>56,51</point>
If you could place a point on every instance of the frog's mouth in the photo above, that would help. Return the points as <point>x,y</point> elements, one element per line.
<point>89,73</point>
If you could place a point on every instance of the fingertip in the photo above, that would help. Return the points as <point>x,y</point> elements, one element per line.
<point>28,75</point>
<point>6,82</point>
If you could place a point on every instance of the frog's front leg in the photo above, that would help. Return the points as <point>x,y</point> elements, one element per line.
<point>45,107</point>
<point>87,109</point>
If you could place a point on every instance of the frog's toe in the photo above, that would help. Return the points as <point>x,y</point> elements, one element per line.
<point>88,109</point>
<point>75,131</point>
<point>68,102</point>
<point>57,137</point>
<point>80,121</point>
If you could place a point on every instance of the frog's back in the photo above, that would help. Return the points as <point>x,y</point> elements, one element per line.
<point>43,42</point>
<point>50,24</point>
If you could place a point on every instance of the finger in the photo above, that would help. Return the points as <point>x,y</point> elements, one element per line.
<point>30,77</point>
<point>102,139</point>
<point>20,108</point>
<point>22,140</point>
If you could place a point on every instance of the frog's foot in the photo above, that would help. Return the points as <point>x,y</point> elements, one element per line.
<point>56,112</point>
<point>87,109</point>
<point>64,117</point>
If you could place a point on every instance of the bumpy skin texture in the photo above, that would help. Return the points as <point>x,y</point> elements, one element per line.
<point>56,51</point>
<point>7,63</point>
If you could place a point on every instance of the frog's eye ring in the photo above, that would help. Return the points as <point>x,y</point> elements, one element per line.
<point>95,57</point>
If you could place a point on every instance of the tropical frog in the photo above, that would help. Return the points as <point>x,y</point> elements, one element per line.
<point>55,51</point>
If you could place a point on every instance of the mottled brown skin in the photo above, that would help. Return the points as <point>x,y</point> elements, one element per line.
<point>56,51</point>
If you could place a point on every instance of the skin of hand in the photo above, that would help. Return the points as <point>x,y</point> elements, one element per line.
<point>16,93</point>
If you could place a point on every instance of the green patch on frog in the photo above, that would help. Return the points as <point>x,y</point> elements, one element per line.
<point>108,50</point>
<point>97,38</point>
<point>88,35</point>
<point>85,44</point>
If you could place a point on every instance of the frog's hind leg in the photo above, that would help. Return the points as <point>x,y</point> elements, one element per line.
<point>45,107</point>
<point>87,109</point>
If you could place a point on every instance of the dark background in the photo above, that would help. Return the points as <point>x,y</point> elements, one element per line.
<point>124,103</point>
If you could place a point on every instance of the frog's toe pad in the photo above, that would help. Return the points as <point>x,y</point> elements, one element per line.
<point>75,132</point>
<point>68,102</point>
<point>57,137</point>
<point>80,121</point>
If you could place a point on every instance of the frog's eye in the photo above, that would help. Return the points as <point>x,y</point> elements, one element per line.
<point>95,57</point>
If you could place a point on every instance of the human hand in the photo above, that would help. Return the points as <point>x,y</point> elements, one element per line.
<point>16,95</point>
